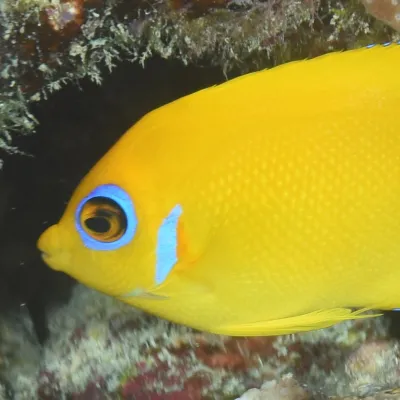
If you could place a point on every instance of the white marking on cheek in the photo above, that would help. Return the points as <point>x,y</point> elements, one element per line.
<point>397,17</point>
<point>395,2</point>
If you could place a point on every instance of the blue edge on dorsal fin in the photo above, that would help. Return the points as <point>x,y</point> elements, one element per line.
<point>383,44</point>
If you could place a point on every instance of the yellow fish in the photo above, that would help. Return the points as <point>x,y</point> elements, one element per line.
<point>266,205</point>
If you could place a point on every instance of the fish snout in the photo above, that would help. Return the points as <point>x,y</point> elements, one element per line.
<point>49,244</point>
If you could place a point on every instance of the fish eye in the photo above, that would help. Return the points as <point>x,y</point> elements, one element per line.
<point>106,219</point>
<point>103,219</point>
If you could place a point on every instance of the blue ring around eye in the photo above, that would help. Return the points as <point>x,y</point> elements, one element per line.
<point>115,193</point>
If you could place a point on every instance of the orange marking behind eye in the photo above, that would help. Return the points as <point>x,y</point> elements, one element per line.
<point>184,251</point>
<point>182,246</point>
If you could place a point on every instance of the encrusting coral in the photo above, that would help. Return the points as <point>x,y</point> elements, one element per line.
<point>100,348</point>
<point>48,43</point>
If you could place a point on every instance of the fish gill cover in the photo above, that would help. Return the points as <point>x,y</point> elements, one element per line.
<point>48,43</point>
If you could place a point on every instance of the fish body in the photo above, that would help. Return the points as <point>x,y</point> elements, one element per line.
<point>266,205</point>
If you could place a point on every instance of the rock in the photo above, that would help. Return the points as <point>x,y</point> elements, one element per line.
<point>375,364</point>
<point>285,389</point>
<point>387,11</point>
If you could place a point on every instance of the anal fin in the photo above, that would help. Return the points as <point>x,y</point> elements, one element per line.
<point>300,323</point>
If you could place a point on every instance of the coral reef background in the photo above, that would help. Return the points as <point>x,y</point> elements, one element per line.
<point>102,349</point>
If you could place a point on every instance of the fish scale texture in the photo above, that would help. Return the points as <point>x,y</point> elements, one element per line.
<point>291,201</point>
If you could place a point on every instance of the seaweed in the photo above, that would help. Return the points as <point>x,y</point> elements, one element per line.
<point>48,44</point>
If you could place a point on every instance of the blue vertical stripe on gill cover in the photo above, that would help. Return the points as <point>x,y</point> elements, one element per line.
<point>167,242</point>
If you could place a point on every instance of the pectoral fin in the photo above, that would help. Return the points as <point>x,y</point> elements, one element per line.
<point>300,323</point>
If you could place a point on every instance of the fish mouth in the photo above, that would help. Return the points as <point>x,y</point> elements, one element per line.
<point>48,242</point>
<point>45,256</point>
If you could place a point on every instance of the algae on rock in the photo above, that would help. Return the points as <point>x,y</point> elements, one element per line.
<point>48,43</point>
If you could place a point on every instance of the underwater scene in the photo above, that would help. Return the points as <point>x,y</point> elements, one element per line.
<point>199,200</point>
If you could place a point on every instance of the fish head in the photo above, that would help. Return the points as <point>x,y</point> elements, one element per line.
<point>99,239</point>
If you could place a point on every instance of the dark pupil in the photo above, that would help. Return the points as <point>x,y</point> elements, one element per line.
<point>98,224</point>
<point>105,212</point>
